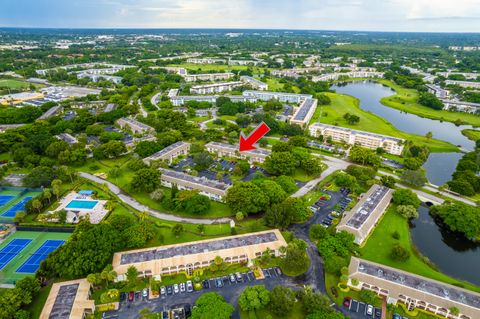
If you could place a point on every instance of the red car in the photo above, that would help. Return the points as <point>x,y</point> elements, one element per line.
<point>346,302</point>
<point>131,296</point>
<point>323,198</point>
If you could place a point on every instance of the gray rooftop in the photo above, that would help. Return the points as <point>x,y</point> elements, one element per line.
<point>166,150</point>
<point>194,179</point>
<point>197,248</point>
<point>411,281</point>
<point>302,112</point>
<point>64,302</point>
<point>352,131</point>
<point>235,147</point>
<point>365,210</point>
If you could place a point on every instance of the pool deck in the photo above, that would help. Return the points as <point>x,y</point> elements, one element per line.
<point>96,214</point>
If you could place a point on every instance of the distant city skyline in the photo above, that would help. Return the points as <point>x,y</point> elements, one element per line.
<point>363,15</point>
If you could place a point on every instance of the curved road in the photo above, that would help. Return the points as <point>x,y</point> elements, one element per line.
<point>127,199</point>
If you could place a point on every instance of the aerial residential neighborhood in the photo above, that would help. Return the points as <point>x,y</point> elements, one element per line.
<point>270,160</point>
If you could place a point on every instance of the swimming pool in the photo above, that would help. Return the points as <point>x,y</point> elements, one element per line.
<point>82,204</point>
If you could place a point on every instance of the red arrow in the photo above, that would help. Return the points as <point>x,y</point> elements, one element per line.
<point>246,143</point>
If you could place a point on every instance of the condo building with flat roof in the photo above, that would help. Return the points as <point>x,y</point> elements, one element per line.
<point>215,87</point>
<point>207,77</point>
<point>180,100</point>
<point>281,96</point>
<point>135,126</point>
<point>437,91</point>
<point>392,145</point>
<point>215,190</point>
<point>68,300</point>
<point>467,75</point>
<point>461,106</point>
<point>207,61</point>
<point>256,84</point>
<point>231,150</point>
<point>187,257</point>
<point>303,114</point>
<point>353,74</point>
<point>464,84</point>
<point>414,291</point>
<point>363,217</point>
<point>169,153</point>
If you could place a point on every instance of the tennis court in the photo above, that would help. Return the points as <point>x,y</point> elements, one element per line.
<point>12,249</point>
<point>33,262</point>
<point>19,206</point>
<point>4,199</point>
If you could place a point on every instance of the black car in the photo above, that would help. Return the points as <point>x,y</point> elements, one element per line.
<point>123,296</point>
<point>205,284</point>
<point>378,313</point>
<point>169,290</point>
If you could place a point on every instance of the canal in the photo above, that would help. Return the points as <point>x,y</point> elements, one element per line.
<point>439,166</point>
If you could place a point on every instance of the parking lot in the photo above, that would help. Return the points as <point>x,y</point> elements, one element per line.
<point>358,309</point>
<point>229,289</point>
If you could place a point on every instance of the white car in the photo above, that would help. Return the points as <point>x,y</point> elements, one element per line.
<point>369,310</point>
<point>162,290</point>
<point>189,286</point>
<point>145,292</point>
<point>175,289</point>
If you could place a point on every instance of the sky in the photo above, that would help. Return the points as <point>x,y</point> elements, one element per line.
<point>366,15</point>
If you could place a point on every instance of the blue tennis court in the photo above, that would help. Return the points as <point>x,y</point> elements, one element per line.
<point>12,249</point>
<point>12,211</point>
<point>5,199</point>
<point>33,262</point>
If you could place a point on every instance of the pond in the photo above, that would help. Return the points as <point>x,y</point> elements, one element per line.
<point>452,253</point>
<point>439,166</point>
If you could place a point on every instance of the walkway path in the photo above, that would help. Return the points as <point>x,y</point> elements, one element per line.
<point>127,199</point>
<point>142,110</point>
<point>154,100</point>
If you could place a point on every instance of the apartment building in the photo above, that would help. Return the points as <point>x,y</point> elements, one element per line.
<point>461,106</point>
<point>111,68</point>
<point>187,257</point>
<point>172,93</point>
<point>353,74</point>
<point>67,138</point>
<point>231,150</point>
<point>256,84</point>
<point>207,77</point>
<point>135,126</point>
<point>281,96</point>
<point>467,75</point>
<point>207,61</point>
<point>247,62</point>
<point>215,87</point>
<point>303,114</point>
<point>437,91</point>
<point>69,300</point>
<point>215,190</point>
<point>414,291</point>
<point>181,100</point>
<point>362,218</point>
<point>169,153</point>
<point>392,145</point>
<point>96,75</point>
<point>464,84</point>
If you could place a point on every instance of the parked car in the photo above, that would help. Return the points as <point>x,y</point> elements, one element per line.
<point>239,277</point>
<point>396,316</point>
<point>163,290</point>
<point>205,284</point>
<point>346,302</point>
<point>369,310</point>
<point>145,292</point>
<point>131,296</point>
<point>176,289</point>
<point>232,278</point>
<point>218,283</point>
<point>123,296</point>
<point>378,313</point>
<point>169,290</point>
<point>189,286</point>
<point>182,287</point>
<point>278,271</point>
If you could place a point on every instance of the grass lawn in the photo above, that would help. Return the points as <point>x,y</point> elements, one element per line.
<point>471,134</point>
<point>13,84</point>
<point>275,85</point>
<point>341,104</point>
<point>38,302</point>
<point>302,176</point>
<point>406,100</point>
<point>380,243</point>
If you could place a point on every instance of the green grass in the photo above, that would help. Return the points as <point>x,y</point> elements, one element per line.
<point>275,85</point>
<point>13,84</point>
<point>406,100</point>
<point>38,302</point>
<point>341,104</point>
<point>8,272</point>
<point>380,243</point>
<point>471,134</point>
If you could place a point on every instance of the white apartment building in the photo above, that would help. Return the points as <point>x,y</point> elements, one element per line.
<point>281,96</point>
<point>392,145</point>
<point>467,75</point>
<point>207,61</point>
<point>247,62</point>
<point>354,74</point>
<point>303,114</point>
<point>464,84</point>
<point>215,190</point>
<point>256,84</point>
<point>461,106</point>
<point>135,126</point>
<point>215,87</point>
<point>437,91</point>
<point>207,77</point>
<point>113,68</point>
<point>231,150</point>
<point>169,153</point>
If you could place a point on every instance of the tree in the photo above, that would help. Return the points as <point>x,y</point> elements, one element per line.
<point>47,194</point>
<point>313,301</point>
<point>414,178</point>
<point>460,217</point>
<point>317,232</point>
<point>296,261</point>
<point>387,181</point>
<point>157,194</point>
<point>94,279</point>
<point>202,160</point>
<point>201,228</point>
<point>37,204</point>
<point>351,118</point>
<point>399,253</point>
<point>430,100</point>
<point>429,135</point>
<point>19,216</point>
<point>405,196</point>
<point>287,183</point>
<point>407,211</point>
<point>254,298</point>
<point>368,296</point>
<point>132,275</point>
<point>272,190</point>
<point>364,156</point>
<point>177,229</point>
<point>454,311</point>
<point>282,300</point>
<point>108,274</point>
<point>246,197</point>
<point>39,176</point>
<point>280,163</point>
<point>145,179</point>
<point>211,305</point>
<point>57,187</point>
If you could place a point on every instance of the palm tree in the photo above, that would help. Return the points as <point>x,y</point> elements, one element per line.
<point>47,194</point>
<point>108,274</point>
<point>37,204</point>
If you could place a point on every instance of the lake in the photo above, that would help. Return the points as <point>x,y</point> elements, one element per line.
<point>439,166</point>
<point>452,253</point>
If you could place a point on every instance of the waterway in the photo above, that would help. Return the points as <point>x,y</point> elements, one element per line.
<point>452,253</point>
<point>439,166</point>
